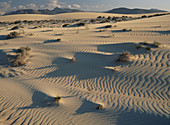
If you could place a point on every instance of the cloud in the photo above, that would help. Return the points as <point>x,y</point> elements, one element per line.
<point>21,7</point>
<point>76,6</point>
<point>32,6</point>
<point>52,4</point>
<point>69,6</point>
<point>28,6</point>
<point>4,7</point>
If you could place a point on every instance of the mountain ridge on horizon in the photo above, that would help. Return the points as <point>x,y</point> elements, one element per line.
<point>120,10</point>
<point>124,10</point>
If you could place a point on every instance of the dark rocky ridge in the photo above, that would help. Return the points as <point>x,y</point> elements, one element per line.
<point>133,11</point>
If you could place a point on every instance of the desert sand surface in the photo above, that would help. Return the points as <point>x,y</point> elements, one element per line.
<point>79,65</point>
<point>63,16</point>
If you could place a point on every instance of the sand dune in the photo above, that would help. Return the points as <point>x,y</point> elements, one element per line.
<point>131,93</point>
<point>75,15</point>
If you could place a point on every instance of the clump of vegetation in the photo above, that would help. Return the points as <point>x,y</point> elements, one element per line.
<point>21,49</point>
<point>156,44</point>
<point>145,43</point>
<point>17,27</point>
<point>99,107</point>
<point>108,26</point>
<point>81,24</point>
<point>57,98</point>
<point>109,36</point>
<point>126,30</point>
<point>144,16</point>
<point>148,48</point>
<point>65,25</point>
<point>3,72</point>
<point>13,35</point>
<point>73,59</point>
<point>125,57</point>
<point>102,30</point>
<point>58,39</point>
<point>22,56</point>
<point>139,46</point>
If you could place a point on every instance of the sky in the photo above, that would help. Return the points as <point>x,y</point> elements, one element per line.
<point>86,5</point>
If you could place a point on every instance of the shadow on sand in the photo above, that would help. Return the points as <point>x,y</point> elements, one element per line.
<point>137,118</point>
<point>4,59</point>
<point>86,107</point>
<point>42,100</point>
<point>3,37</point>
<point>92,65</point>
<point>52,41</point>
<point>162,32</point>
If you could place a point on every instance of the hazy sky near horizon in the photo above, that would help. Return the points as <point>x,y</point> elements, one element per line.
<point>87,5</point>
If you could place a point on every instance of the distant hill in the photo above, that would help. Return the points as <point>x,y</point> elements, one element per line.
<point>133,11</point>
<point>46,11</point>
<point>67,10</point>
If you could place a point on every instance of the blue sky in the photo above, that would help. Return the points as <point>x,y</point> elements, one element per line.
<point>87,5</point>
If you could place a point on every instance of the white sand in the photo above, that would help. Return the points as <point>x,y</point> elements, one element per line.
<point>134,93</point>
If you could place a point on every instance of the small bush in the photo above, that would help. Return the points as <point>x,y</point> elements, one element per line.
<point>125,57</point>
<point>17,27</point>
<point>57,98</point>
<point>108,26</point>
<point>73,60</point>
<point>99,17</point>
<point>139,46</point>
<point>145,43</point>
<point>21,49</point>
<point>156,44</point>
<point>148,48</point>
<point>126,30</point>
<point>58,39</point>
<point>99,107</point>
<point>65,25</point>
<point>13,35</point>
<point>22,56</point>
<point>81,24</point>
<point>144,16</point>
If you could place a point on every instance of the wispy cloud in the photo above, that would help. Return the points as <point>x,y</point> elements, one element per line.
<point>4,6</point>
<point>52,4</point>
<point>76,6</point>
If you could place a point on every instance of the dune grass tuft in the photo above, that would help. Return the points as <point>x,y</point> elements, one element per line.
<point>73,59</point>
<point>99,107</point>
<point>139,46</point>
<point>148,48</point>
<point>22,55</point>
<point>125,57</point>
<point>13,35</point>
<point>57,98</point>
<point>156,44</point>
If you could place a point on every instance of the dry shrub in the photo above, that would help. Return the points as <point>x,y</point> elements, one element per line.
<point>13,35</point>
<point>22,56</point>
<point>148,48</point>
<point>108,26</point>
<point>156,44</point>
<point>99,107</point>
<point>139,46</point>
<point>126,30</point>
<point>57,98</point>
<point>65,25</point>
<point>73,60</point>
<point>125,57</point>
<point>17,27</point>
<point>3,72</point>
